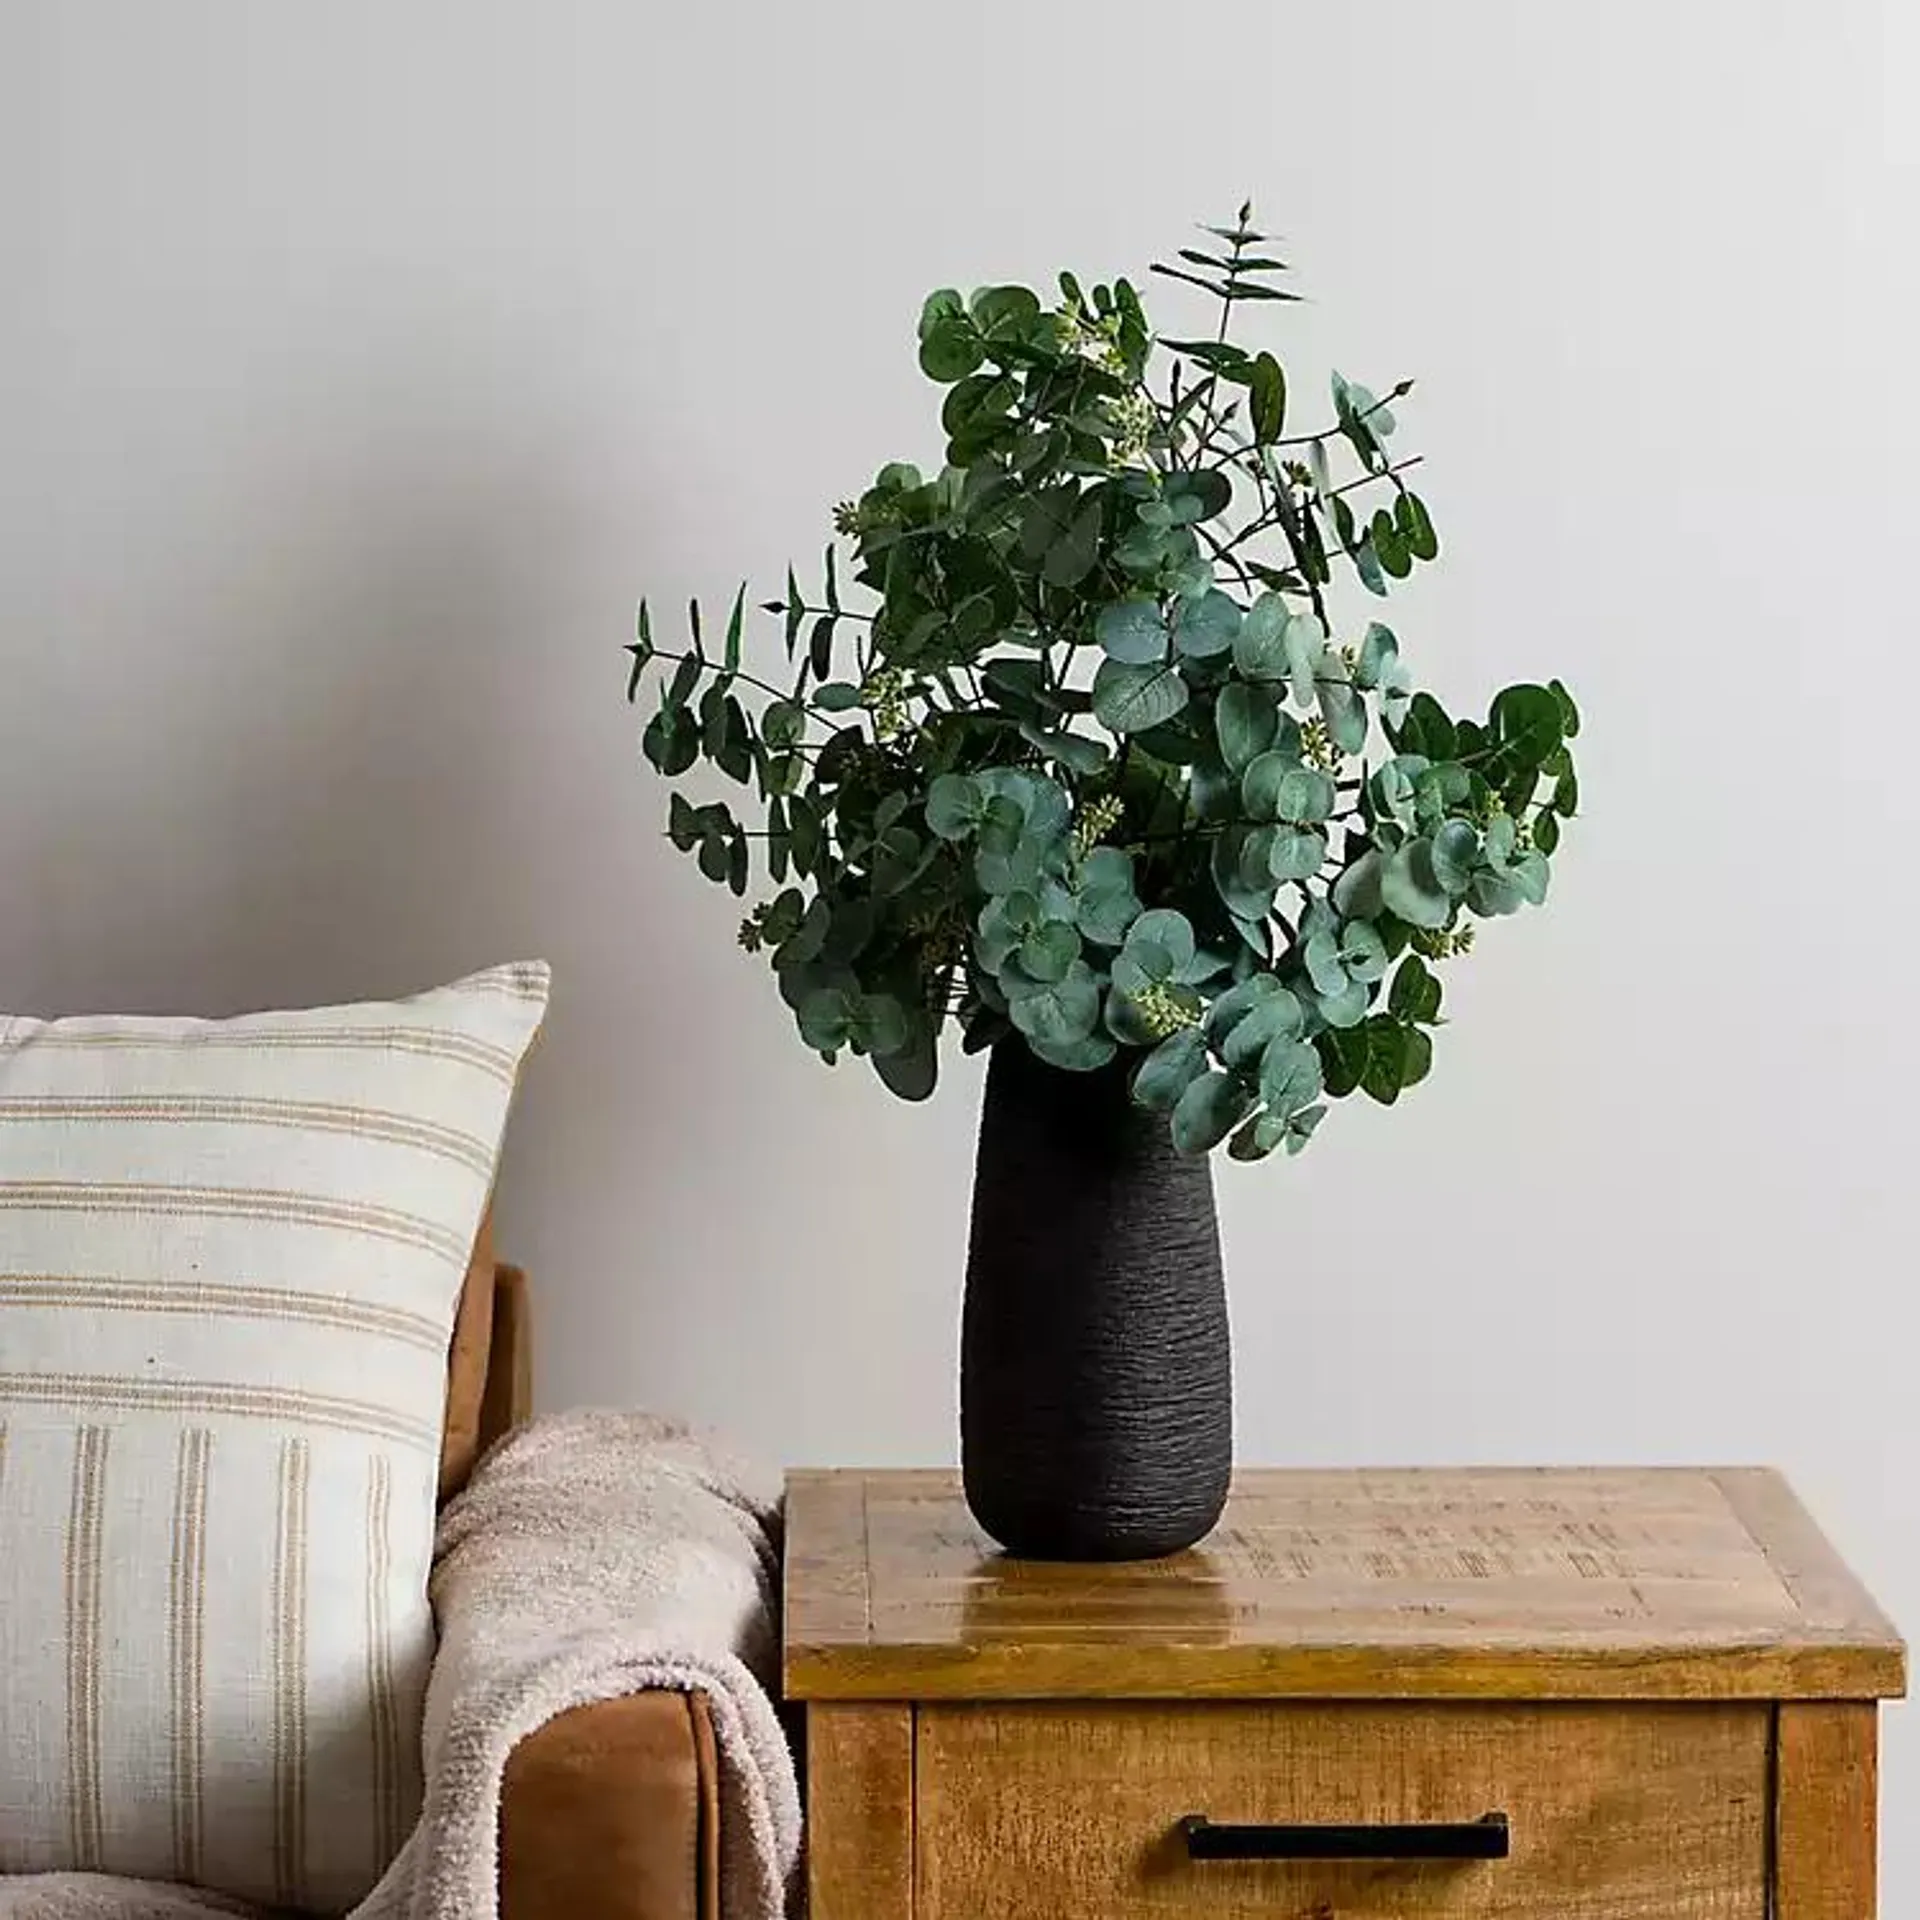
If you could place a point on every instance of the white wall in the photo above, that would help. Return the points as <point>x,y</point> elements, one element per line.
<point>359,364</point>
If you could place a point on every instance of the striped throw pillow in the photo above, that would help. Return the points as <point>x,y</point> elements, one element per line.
<point>230,1255</point>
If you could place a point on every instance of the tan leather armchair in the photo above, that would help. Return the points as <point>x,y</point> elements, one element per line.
<point>610,1811</point>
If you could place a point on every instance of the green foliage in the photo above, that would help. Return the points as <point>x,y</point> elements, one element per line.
<point>1079,747</point>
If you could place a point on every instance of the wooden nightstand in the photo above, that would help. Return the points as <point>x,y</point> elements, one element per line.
<point>1549,1695</point>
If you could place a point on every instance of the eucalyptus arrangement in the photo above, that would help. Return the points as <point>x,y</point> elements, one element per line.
<point>1098,758</point>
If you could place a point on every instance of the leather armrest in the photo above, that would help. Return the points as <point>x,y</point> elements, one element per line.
<point>609,1812</point>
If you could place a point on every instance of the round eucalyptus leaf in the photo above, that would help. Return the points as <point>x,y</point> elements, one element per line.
<point>1002,824</point>
<point>1380,1077</point>
<point>1357,891</point>
<point>1195,495</point>
<point>1259,647</point>
<point>1396,787</point>
<point>1566,791</point>
<point>1325,967</point>
<point>1131,699</point>
<point>1103,918</point>
<point>1074,1056</point>
<point>1126,1022</point>
<point>826,1019</point>
<point>1246,1042</point>
<point>1501,835</point>
<point>1205,965</point>
<point>1411,889</point>
<point>1305,796</point>
<point>1257,1137</point>
<point>1378,648</point>
<point>1415,993</point>
<point>1255,872</point>
<point>996,946</point>
<point>804,944</point>
<point>1238,1001</point>
<point>1049,951</point>
<point>951,348</point>
<point>878,1024</point>
<point>1205,626</point>
<point>1440,788</point>
<point>1244,719</point>
<point>671,741</point>
<point>1024,866</point>
<point>1141,965</point>
<point>1211,1107</point>
<point>1305,640</point>
<point>1048,808</point>
<point>1166,1073</point>
<point>1296,853</point>
<point>1041,805</point>
<point>1395,692</point>
<point>783,724</point>
<point>1141,550</point>
<point>1241,896</point>
<point>1133,632</point>
<point>912,1072</point>
<point>1171,931</point>
<point>1106,905</point>
<point>683,822</point>
<point>1004,310</point>
<point>1528,725</point>
<point>1262,783</point>
<point>1058,1011</point>
<point>1416,1060</point>
<point>1344,714</point>
<point>1494,892</point>
<point>783,918</point>
<point>1531,875</point>
<point>1362,952</point>
<point>1346,1007</point>
<point>1291,1076</point>
<point>1455,854</point>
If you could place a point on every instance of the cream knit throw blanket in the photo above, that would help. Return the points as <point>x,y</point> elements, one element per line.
<point>594,1555</point>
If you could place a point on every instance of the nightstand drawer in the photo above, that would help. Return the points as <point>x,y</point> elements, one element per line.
<point>1074,1811</point>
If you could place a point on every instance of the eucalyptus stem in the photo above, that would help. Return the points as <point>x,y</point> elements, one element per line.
<point>1383,473</point>
<point>832,613</point>
<point>1222,551</point>
<point>740,674</point>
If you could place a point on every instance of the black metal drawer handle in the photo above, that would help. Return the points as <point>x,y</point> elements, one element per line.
<point>1483,1839</point>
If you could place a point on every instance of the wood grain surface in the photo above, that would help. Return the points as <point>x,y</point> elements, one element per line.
<point>1041,1812</point>
<point>1644,1583</point>
<point>1828,1795</point>
<point>860,1814</point>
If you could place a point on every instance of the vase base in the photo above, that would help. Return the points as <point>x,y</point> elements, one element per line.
<point>1093,1535</point>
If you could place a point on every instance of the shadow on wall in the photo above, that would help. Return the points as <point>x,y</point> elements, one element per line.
<point>292,751</point>
<point>316,734</point>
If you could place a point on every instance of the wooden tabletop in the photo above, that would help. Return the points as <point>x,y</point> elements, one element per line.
<point>1523,1583</point>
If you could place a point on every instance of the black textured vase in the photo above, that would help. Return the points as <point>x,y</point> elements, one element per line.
<point>1096,1385</point>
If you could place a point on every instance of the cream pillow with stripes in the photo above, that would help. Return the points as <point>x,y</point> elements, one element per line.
<point>230,1256</point>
